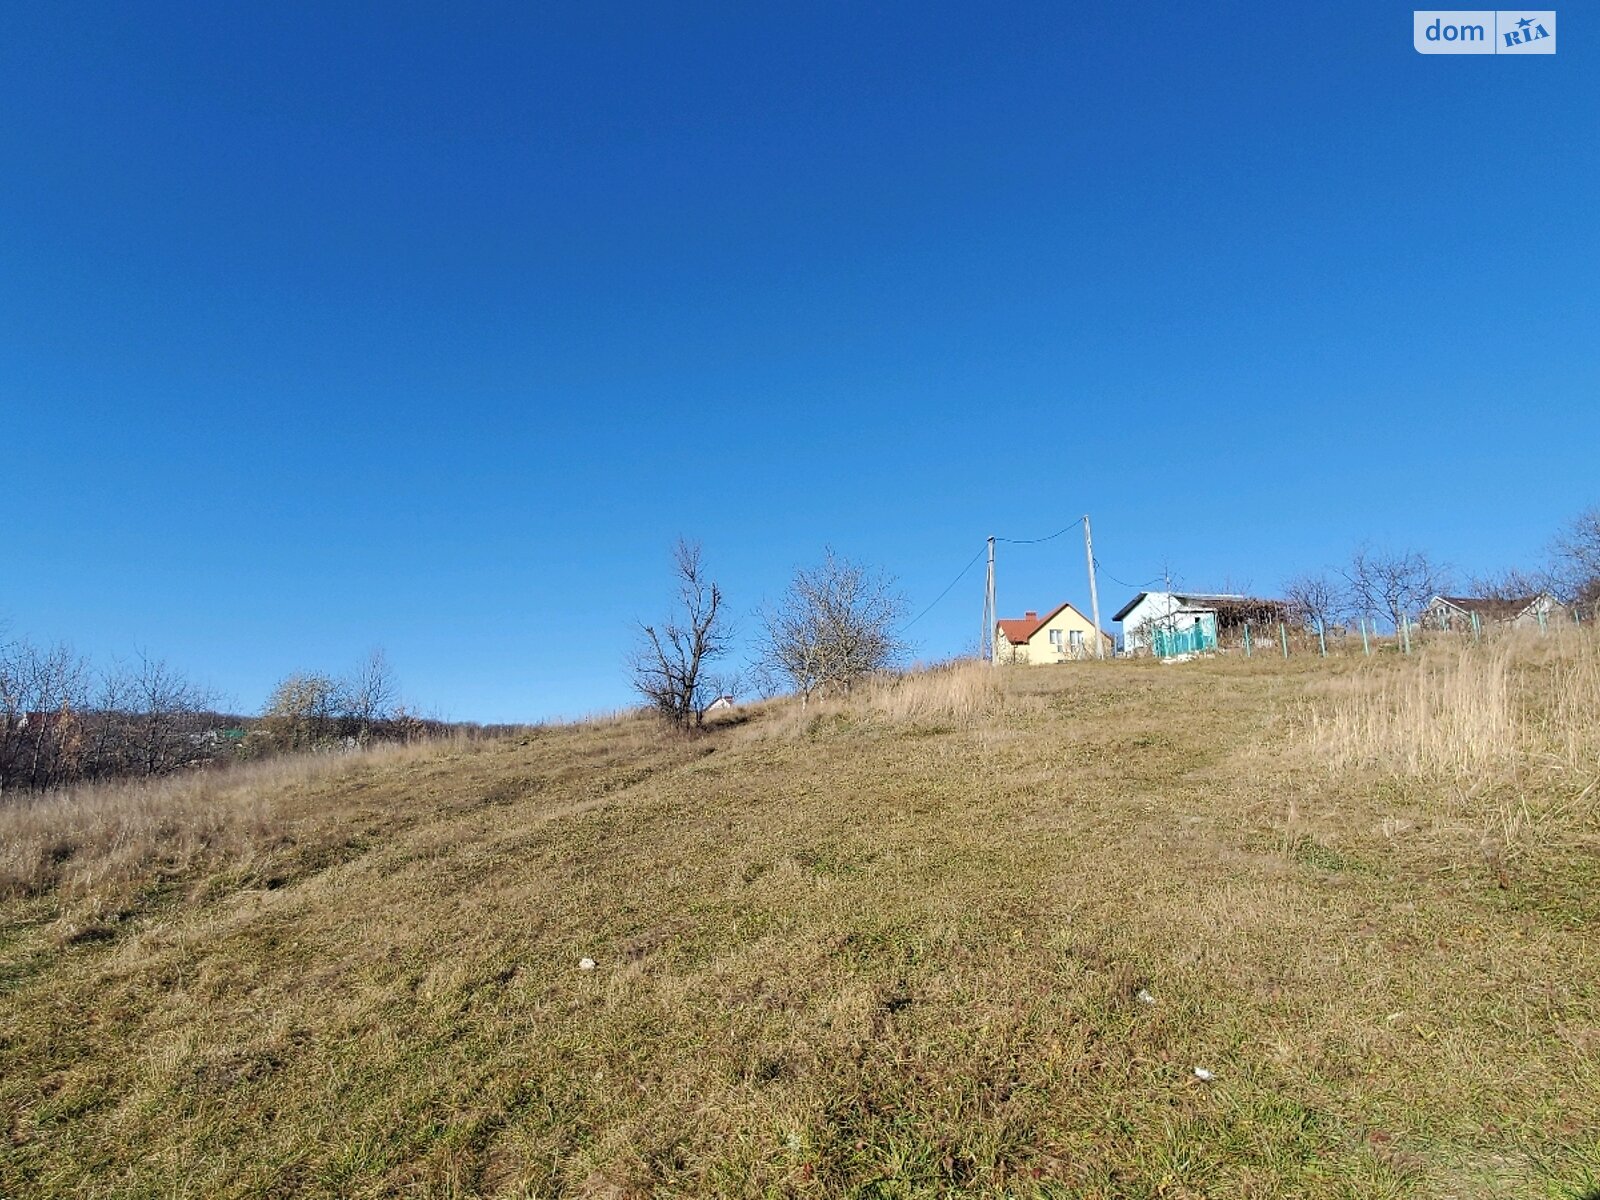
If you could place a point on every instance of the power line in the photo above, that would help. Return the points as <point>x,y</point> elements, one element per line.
<point>946,591</point>
<point>1138,588</point>
<point>1036,541</point>
<point>962,574</point>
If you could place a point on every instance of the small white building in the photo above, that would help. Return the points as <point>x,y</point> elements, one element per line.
<point>1169,622</point>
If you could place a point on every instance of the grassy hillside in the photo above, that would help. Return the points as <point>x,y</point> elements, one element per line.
<point>963,935</point>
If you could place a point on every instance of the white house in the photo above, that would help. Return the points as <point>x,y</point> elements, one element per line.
<point>1170,622</point>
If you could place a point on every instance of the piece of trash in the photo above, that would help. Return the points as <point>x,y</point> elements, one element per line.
<point>1203,1075</point>
<point>1144,997</point>
<point>586,964</point>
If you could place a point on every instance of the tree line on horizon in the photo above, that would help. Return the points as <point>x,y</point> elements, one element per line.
<point>1394,586</point>
<point>64,722</point>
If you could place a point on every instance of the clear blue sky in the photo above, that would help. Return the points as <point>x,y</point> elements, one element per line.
<point>325,327</point>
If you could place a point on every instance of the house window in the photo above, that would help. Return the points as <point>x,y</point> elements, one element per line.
<point>1055,638</point>
<point>1077,639</point>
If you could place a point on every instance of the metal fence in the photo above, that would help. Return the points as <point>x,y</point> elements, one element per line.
<point>1169,643</point>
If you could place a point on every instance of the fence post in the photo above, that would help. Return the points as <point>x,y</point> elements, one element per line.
<point>1405,633</point>
<point>1283,634</point>
<point>1247,635</point>
<point>1322,638</point>
<point>1366,646</point>
<point>1477,628</point>
<point>1543,625</point>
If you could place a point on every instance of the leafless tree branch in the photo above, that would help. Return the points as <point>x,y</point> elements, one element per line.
<point>1384,583</point>
<point>835,624</point>
<point>668,666</point>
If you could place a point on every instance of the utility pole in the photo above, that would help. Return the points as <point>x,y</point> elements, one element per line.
<point>990,617</point>
<point>1094,592</point>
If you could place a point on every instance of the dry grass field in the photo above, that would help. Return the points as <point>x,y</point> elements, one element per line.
<point>967,933</point>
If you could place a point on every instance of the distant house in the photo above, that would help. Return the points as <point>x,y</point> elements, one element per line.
<point>44,722</point>
<point>1062,636</point>
<point>1171,623</point>
<point>1513,612</point>
<point>720,704</point>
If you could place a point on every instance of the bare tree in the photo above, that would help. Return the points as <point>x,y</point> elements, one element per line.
<point>668,666</point>
<point>43,696</point>
<point>1509,585</point>
<point>303,710</point>
<point>106,753</point>
<point>166,718</point>
<point>835,624</point>
<point>60,724</point>
<point>311,709</point>
<point>1393,585</point>
<point>1577,558</point>
<point>369,694</point>
<point>1314,599</point>
<point>13,712</point>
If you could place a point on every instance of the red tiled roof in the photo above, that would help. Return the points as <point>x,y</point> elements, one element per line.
<point>1018,632</point>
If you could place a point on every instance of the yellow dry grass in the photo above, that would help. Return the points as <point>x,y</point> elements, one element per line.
<point>968,933</point>
<point>1498,743</point>
<point>1465,711</point>
<point>101,839</point>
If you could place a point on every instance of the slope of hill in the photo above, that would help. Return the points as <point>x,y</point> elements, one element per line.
<point>963,935</point>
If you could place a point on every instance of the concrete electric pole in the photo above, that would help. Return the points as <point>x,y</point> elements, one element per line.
<point>1094,591</point>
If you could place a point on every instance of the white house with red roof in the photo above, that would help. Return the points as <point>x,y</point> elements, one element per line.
<point>1061,636</point>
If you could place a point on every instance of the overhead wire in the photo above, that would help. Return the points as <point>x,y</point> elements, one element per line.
<point>946,592</point>
<point>962,574</point>
<point>1099,566</point>
<point>1035,541</point>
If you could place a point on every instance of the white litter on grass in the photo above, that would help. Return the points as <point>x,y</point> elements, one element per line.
<point>1145,997</point>
<point>1203,1075</point>
<point>586,964</point>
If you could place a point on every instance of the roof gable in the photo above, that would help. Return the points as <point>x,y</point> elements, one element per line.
<point>1129,606</point>
<point>1495,609</point>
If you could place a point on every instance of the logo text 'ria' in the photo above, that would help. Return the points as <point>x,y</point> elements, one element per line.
<point>1527,30</point>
